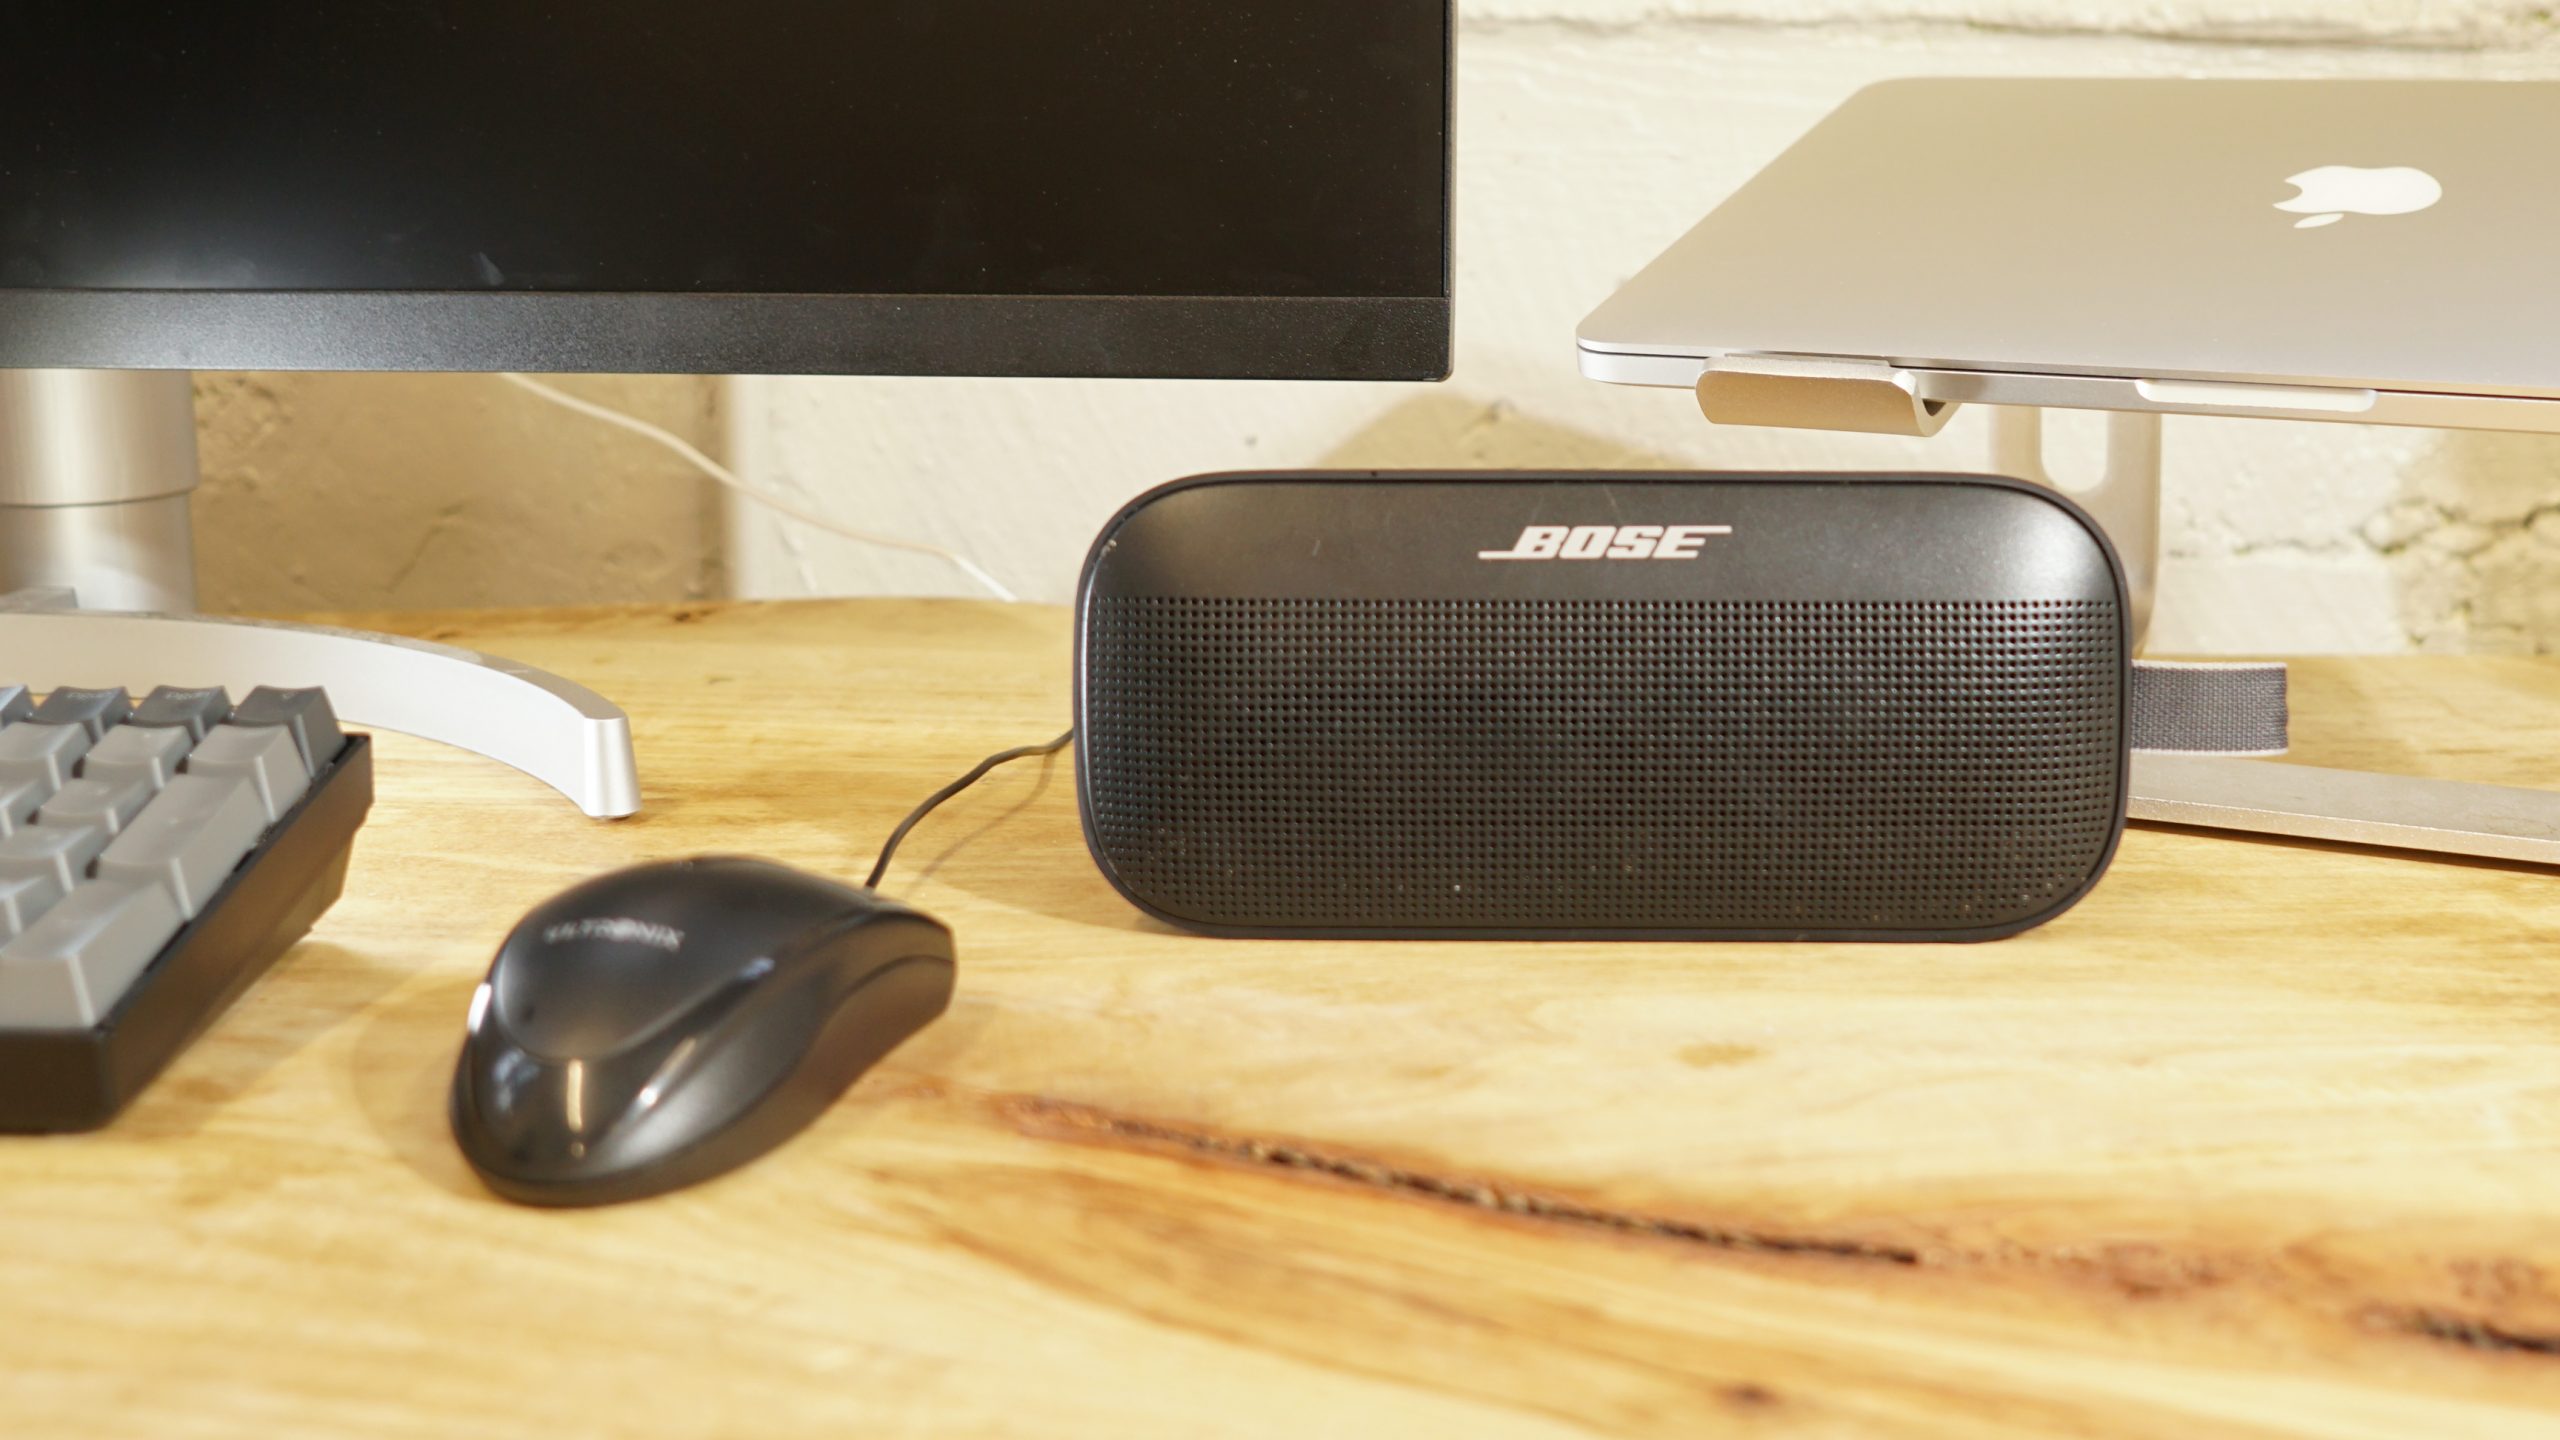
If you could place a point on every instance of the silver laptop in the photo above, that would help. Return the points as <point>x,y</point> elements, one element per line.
<point>2384,251</point>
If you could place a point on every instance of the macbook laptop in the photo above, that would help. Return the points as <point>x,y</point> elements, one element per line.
<point>2382,251</point>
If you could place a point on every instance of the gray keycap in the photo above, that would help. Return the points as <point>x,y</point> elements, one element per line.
<point>60,853</point>
<point>41,754</point>
<point>304,712</point>
<point>96,711</point>
<point>138,754</point>
<point>20,793</point>
<point>15,704</point>
<point>94,803</point>
<point>194,711</point>
<point>263,755</point>
<point>67,970</point>
<point>23,901</point>
<point>189,839</point>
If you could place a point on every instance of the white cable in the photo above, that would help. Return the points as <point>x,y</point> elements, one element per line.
<point>730,478</point>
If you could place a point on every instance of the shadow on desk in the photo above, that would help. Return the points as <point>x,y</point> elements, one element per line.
<point>401,1071</point>
<point>312,990</point>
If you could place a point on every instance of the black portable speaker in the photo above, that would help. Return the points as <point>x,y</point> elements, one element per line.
<point>1628,706</point>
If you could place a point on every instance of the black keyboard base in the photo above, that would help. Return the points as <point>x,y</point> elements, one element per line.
<point>59,1080</point>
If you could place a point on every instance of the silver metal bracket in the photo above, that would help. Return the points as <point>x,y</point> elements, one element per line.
<point>1816,392</point>
<point>559,732</point>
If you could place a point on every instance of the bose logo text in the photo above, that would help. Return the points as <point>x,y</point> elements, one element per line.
<point>1608,542</point>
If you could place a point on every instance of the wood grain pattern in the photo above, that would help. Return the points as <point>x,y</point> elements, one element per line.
<point>2262,1139</point>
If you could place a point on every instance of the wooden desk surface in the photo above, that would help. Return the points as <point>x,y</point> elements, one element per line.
<point>2262,1139</point>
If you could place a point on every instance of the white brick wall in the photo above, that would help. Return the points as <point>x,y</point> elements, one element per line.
<point>1592,133</point>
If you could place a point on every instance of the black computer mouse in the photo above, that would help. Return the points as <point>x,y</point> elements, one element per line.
<point>664,1024</point>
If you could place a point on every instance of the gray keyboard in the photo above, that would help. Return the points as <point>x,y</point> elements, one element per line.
<point>121,823</point>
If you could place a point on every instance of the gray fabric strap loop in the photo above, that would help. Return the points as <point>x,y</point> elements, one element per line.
<point>2192,709</point>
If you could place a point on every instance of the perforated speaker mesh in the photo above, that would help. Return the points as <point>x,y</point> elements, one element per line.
<point>1602,765</point>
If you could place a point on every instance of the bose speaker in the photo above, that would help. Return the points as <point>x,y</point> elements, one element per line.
<point>1583,706</point>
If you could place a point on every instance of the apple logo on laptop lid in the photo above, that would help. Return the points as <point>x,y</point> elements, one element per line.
<point>2331,193</point>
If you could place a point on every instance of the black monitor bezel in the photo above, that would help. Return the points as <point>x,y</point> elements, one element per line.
<point>1064,336</point>
<point>1127,336</point>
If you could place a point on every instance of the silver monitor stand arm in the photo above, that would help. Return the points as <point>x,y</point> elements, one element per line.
<point>97,576</point>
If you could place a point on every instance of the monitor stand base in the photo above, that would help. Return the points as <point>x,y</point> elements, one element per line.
<point>96,470</point>
<point>2221,792</point>
<point>559,732</point>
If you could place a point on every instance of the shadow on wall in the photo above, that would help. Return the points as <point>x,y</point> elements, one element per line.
<point>2474,544</point>
<point>394,492</point>
<point>1441,430</point>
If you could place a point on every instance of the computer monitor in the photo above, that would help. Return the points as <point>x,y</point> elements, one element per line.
<point>1150,188</point>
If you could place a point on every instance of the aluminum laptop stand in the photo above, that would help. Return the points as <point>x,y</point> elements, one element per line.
<point>2216,791</point>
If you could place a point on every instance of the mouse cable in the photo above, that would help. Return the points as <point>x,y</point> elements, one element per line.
<point>880,868</point>
<point>686,451</point>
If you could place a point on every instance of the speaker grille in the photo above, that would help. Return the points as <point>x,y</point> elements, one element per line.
<point>1602,765</point>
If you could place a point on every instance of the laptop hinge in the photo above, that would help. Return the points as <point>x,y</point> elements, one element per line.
<point>1818,392</point>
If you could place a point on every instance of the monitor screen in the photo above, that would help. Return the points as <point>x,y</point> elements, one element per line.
<point>659,179</point>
